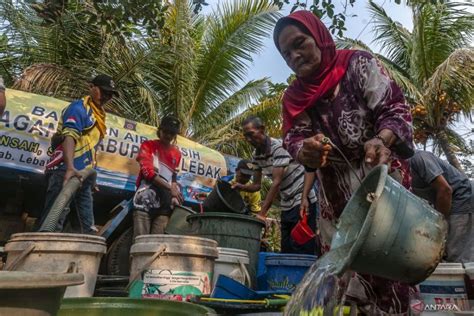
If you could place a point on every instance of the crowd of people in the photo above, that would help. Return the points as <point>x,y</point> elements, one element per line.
<point>342,116</point>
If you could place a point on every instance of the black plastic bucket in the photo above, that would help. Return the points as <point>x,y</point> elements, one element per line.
<point>224,199</point>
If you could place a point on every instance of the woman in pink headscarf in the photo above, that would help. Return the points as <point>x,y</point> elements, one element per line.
<point>344,95</point>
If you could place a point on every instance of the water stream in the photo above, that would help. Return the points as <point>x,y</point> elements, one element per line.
<point>322,290</point>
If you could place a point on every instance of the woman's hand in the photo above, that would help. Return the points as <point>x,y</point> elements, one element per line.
<point>376,153</point>
<point>314,153</point>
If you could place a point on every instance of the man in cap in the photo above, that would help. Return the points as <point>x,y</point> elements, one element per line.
<point>80,130</point>
<point>158,191</point>
<point>243,174</point>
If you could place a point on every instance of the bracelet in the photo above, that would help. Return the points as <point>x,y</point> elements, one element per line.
<point>384,142</point>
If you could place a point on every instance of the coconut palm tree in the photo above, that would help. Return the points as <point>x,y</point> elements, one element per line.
<point>195,68</point>
<point>434,63</point>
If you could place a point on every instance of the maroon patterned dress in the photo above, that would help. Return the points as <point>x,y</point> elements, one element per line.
<point>365,102</point>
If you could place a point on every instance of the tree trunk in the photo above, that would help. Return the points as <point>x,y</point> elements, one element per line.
<point>448,151</point>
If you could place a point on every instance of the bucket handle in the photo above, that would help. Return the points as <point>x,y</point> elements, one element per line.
<point>246,274</point>
<point>23,255</point>
<point>147,264</point>
<point>73,267</point>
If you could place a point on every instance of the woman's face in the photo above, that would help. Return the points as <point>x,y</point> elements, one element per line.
<point>300,51</point>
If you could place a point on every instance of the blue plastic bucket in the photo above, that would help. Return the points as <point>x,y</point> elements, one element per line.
<point>285,271</point>
<point>262,271</point>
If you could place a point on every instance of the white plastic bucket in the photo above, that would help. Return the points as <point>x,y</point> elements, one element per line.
<point>469,268</point>
<point>59,253</point>
<point>445,286</point>
<point>184,268</point>
<point>231,263</point>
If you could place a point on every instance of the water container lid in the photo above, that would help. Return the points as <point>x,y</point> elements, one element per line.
<point>232,255</point>
<point>175,244</point>
<point>286,259</point>
<point>232,252</point>
<point>449,268</point>
<point>469,265</point>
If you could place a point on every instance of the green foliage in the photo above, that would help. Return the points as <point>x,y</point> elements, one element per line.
<point>128,17</point>
<point>121,18</point>
<point>322,9</point>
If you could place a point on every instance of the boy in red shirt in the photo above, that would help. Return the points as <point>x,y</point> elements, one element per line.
<point>158,192</point>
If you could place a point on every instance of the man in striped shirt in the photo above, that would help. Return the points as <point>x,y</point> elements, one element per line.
<point>273,161</point>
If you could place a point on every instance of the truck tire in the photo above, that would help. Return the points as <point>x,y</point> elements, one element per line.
<point>118,257</point>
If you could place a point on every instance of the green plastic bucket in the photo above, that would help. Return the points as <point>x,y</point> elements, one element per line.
<point>178,225</point>
<point>99,306</point>
<point>231,231</point>
<point>394,234</point>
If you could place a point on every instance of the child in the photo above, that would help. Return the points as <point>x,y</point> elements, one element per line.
<point>158,192</point>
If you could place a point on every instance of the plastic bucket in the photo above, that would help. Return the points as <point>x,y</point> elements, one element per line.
<point>262,271</point>
<point>126,306</point>
<point>231,262</point>
<point>390,232</point>
<point>445,286</point>
<point>469,268</point>
<point>231,231</point>
<point>302,233</point>
<point>224,199</point>
<point>34,294</point>
<point>178,225</point>
<point>59,253</point>
<point>285,271</point>
<point>185,268</point>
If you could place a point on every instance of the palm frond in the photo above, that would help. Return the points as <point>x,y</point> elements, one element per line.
<point>181,86</point>
<point>234,32</point>
<point>269,110</point>
<point>455,76</point>
<point>439,29</point>
<point>51,80</point>
<point>457,142</point>
<point>391,35</point>
<point>349,43</point>
<point>238,102</point>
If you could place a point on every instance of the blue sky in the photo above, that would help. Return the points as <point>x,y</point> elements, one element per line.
<point>269,63</point>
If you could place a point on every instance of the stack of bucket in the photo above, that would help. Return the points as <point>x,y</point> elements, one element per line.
<point>448,287</point>
<point>469,268</point>
<point>171,266</point>
<point>58,253</point>
<point>44,267</point>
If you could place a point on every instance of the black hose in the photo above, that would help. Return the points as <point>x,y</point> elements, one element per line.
<point>64,198</point>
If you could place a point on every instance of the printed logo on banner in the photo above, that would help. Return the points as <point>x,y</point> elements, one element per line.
<point>130,125</point>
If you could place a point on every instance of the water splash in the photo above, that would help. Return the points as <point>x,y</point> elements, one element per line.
<point>322,290</point>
